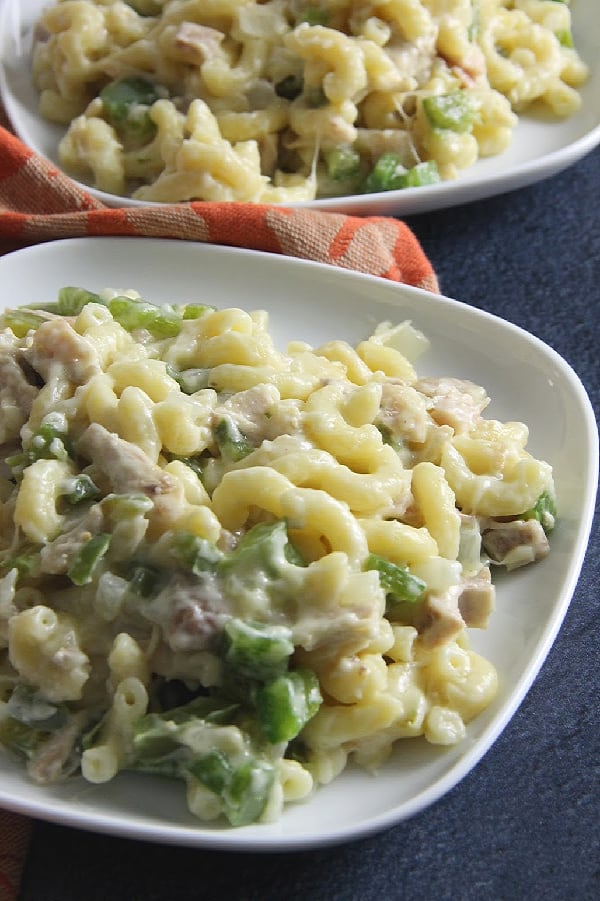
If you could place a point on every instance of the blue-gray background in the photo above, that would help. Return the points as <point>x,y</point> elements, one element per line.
<point>525,824</point>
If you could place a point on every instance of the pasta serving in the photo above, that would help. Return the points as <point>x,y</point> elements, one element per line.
<point>289,100</point>
<point>238,566</point>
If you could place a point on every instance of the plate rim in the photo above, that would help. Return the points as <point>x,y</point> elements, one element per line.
<point>235,840</point>
<point>409,201</point>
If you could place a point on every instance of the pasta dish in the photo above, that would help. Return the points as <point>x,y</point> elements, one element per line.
<point>286,101</point>
<point>238,566</point>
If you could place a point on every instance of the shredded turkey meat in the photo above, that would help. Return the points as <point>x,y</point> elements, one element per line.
<point>442,616</point>
<point>454,402</point>
<point>16,394</point>
<point>515,543</point>
<point>191,612</point>
<point>56,341</point>
<point>126,466</point>
<point>197,43</point>
<point>260,414</point>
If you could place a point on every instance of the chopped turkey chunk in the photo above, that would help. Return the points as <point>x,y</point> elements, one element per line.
<point>403,412</point>
<point>126,466</point>
<point>454,402</point>
<point>196,612</point>
<point>443,615</point>
<point>515,543</point>
<point>197,43</point>
<point>249,410</point>
<point>16,394</point>
<point>476,601</point>
<point>439,619</point>
<point>57,342</point>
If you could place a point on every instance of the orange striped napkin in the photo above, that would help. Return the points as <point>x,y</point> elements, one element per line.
<point>38,203</point>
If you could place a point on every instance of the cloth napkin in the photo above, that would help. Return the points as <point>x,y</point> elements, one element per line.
<point>38,203</point>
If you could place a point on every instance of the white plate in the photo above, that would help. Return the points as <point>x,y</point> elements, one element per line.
<point>540,147</point>
<point>319,303</point>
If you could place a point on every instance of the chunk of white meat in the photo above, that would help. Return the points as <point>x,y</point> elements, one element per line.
<point>443,615</point>
<point>191,613</point>
<point>57,343</point>
<point>259,413</point>
<point>439,619</point>
<point>124,464</point>
<point>516,543</point>
<point>16,394</point>
<point>403,412</point>
<point>454,402</point>
<point>477,600</point>
<point>197,43</point>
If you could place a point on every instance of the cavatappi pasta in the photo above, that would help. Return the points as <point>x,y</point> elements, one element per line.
<point>288,100</point>
<point>240,566</point>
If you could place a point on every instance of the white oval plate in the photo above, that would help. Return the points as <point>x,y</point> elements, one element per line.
<point>540,148</point>
<point>313,302</point>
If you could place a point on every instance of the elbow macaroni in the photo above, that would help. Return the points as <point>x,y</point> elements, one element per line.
<point>343,445</point>
<point>254,96</point>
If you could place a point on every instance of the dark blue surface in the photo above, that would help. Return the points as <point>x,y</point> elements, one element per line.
<point>525,824</point>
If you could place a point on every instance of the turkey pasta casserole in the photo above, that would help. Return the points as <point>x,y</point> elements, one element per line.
<point>240,567</point>
<point>291,100</point>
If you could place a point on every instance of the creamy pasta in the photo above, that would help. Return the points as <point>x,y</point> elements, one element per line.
<point>241,566</point>
<point>288,100</point>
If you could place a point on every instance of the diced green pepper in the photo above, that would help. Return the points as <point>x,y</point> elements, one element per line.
<point>195,463</point>
<point>195,553</point>
<point>246,795</point>
<point>214,770</point>
<point>386,175</point>
<point>289,87</point>
<point>26,561</point>
<point>286,704</point>
<point>82,569</point>
<point>422,174</point>
<point>257,651</point>
<point>135,313</point>
<point>196,310</point>
<point>315,15</point>
<point>262,548</point>
<point>48,443</point>
<point>31,708</point>
<point>126,104</point>
<point>453,111</point>
<point>565,38</point>
<point>126,506</point>
<point>80,489</point>
<point>398,583</point>
<point>144,581</point>
<point>232,444</point>
<point>146,7</point>
<point>167,744</point>
<point>71,301</point>
<point>544,510</point>
<point>189,380</point>
<point>19,738</point>
<point>342,163</point>
<point>21,321</point>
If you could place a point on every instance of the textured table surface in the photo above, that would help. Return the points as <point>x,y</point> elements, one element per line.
<point>525,823</point>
